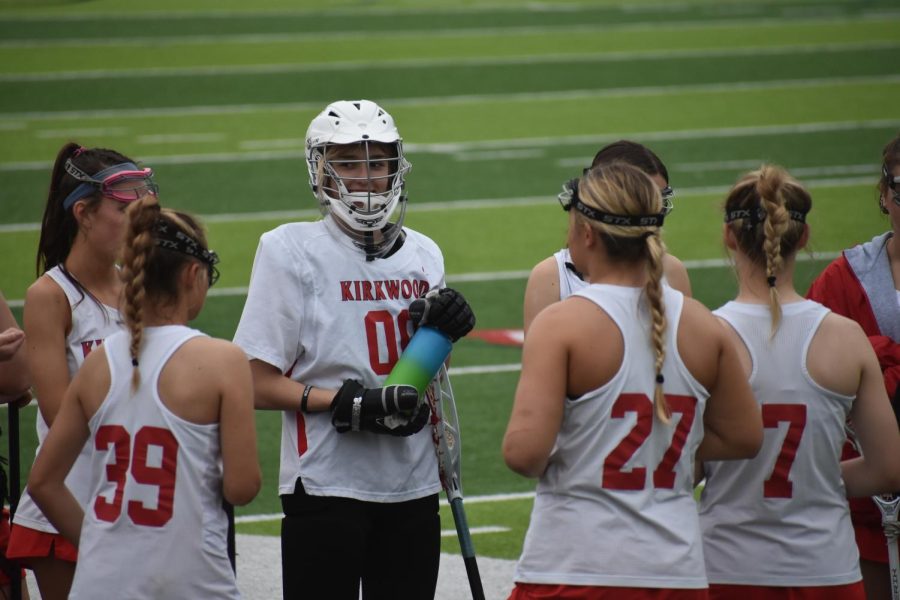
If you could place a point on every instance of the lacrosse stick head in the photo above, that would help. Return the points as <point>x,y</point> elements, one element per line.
<point>445,432</point>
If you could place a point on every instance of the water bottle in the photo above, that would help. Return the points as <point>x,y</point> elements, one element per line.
<point>421,360</point>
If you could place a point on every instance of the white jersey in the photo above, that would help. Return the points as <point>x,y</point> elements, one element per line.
<point>161,531</point>
<point>91,324</point>
<point>321,313</point>
<point>615,505</point>
<point>782,518</point>
<point>570,280</point>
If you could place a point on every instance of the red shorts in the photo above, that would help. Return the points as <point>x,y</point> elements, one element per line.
<point>541,591</point>
<point>25,543</point>
<point>4,541</point>
<point>723,591</point>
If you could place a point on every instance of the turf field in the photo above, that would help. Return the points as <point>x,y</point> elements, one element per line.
<point>498,104</point>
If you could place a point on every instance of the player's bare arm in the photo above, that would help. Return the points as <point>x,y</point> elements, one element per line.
<point>242,477</point>
<point>47,320</point>
<point>541,291</point>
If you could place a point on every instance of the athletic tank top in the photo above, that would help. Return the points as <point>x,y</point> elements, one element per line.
<point>782,518</point>
<point>615,506</point>
<point>91,324</point>
<point>160,532</point>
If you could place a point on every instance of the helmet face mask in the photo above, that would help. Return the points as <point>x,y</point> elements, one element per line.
<point>357,172</point>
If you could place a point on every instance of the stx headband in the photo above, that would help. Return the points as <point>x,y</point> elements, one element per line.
<point>105,179</point>
<point>171,238</point>
<point>756,216</point>
<point>569,199</point>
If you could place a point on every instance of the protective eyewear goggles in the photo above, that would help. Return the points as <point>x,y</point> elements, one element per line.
<point>893,183</point>
<point>124,182</point>
<point>568,199</point>
<point>172,238</point>
<point>668,194</point>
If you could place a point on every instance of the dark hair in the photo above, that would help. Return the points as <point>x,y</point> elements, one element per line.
<point>58,226</point>
<point>634,154</point>
<point>890,158</point>
<point>150,271</point>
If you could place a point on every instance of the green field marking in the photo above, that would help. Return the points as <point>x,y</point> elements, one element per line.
<point>445,80</point>
<point>130,54</point>
<point>450,120</point>
<point>511,238</point>
<point>46,19</point>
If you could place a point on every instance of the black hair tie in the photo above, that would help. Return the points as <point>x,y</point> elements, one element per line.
<point>134,361</point>
<point>660,379</point>
<point>771,280</point>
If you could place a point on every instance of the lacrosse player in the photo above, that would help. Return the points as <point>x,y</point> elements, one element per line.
<point>622,384</point>
<point>69,311</point>
<point>863,285</point>
<point>326,318</point>
<point>555,277</point>
<point>169,415</point>
<point>778,526</point>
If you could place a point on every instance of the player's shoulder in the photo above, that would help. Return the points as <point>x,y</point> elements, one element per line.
<point>45,289</point>
<point>214,346</point>
<point>423,243</point>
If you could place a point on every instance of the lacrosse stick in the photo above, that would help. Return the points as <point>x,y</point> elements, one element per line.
<point>889,504</point>
<point>445,433</point>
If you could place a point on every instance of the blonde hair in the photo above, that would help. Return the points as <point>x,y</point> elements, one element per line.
<point>768,195</point>
<point>150,272</point>
<point>621,189</point>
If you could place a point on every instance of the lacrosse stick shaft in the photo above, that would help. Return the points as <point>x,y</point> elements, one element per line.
<point>232,546</point>
<point>466,547</point>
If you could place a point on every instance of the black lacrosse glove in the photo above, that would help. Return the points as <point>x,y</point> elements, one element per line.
<point>446,310</point>
<point>391,410</point>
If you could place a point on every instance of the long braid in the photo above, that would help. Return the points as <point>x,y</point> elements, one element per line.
<point>655,252</point>
<point>775,224</point>
<point>623,189</point>
<point>142,216</point>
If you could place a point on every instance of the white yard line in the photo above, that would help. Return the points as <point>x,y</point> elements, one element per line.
<point>463,147</point>
<point>423,101</point>
<point>524,59</point>
<point>493,32</point>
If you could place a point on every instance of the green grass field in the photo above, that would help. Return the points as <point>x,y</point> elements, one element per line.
<point>498,104</point>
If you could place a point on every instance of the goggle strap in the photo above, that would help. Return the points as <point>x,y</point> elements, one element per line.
<point>757,216</point>
<point>569,196</point>
<point>172,238</point>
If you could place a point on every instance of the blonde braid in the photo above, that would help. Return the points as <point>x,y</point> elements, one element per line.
<point>142,216</point>
<point>623,189</point>
<point>655,252</point>
<point>777,219</point>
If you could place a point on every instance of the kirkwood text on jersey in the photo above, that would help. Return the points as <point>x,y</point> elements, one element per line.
<point>390,289</point>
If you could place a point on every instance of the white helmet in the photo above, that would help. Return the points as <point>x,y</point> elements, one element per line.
<point>364,215</point>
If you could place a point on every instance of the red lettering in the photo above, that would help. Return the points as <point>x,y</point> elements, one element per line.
<point>406,288</point>
<point>393,289</point>
<point>89,345</point>
<point>356,288</point>
<point>379,290</point>
<point>367,290</point>
<point>346,296</point>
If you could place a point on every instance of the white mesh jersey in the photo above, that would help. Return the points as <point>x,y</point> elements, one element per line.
<point>569,279</point>
<point>321,313</point>
<point>782,518</point>
<point>91,324</point>
<point>160,532</point>
<point>615,505</point>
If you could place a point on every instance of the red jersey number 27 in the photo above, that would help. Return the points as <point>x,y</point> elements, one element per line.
<point>614,475</point>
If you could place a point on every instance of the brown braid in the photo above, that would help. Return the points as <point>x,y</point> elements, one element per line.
<point>768,243</point>
<point>622,189</point>
<point>142,216</point>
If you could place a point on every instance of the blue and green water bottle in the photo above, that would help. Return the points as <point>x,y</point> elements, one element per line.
<point>421,360</point>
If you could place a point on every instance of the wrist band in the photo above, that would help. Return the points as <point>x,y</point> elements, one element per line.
<point>305,398</point>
